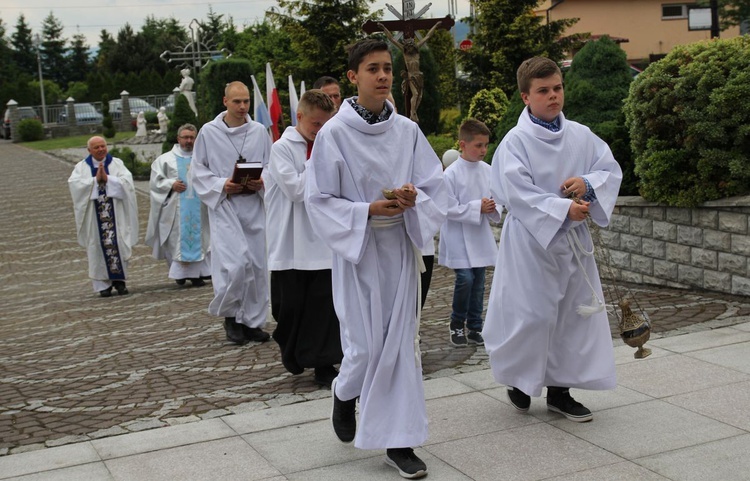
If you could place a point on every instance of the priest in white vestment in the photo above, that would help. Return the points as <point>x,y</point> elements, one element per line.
<point>178,222</point>
<point>237,220</point>
<point>106,214</point>
<point>546,324</point>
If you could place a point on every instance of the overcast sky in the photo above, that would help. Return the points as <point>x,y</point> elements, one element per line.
<point>91,16</point>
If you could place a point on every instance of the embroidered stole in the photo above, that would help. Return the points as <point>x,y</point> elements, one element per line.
<point>105,220</point>
<point>190,216</point>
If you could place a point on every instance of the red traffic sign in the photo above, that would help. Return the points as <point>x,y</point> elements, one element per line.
<point>465,44</point>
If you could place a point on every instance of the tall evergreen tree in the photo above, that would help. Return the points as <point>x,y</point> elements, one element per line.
<point>78,59</point>
<point>320,31</point>
<point>507,32</point>
<point>24,52</point>
<point>106,45</point>
<point>53,50</point>
<point>444,52</point>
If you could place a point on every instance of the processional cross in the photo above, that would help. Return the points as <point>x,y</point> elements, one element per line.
<point>197,52</point>
<point>407,27</point>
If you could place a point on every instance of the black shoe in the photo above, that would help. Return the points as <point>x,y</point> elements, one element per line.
<point>519,399</point>
<point>180,282</point>
<point>106,292</point>
<point>254,334</point>
<point>475,337</point>
<point>342,417</point>
<point>198,282</point>
<point>120,287</point>
<point>408,464</point>
<point>458,338</point>
<point>234,331</point>
<point>325,375</point>
<point>560,401</point>
<point>206,278</point>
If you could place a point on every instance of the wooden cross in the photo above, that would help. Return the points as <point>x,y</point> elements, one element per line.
<point>408,25</point>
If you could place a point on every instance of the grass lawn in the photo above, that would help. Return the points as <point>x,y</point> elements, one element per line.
<point>72,142</point>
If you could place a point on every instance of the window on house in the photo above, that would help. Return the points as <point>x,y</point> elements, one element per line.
<point>674,11</point>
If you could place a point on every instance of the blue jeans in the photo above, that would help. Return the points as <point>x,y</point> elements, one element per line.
<point>468,299</point>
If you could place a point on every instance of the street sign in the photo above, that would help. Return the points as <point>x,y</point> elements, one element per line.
<point>465,44</point>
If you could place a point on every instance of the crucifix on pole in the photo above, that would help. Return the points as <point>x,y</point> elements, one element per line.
<point>406,28</point>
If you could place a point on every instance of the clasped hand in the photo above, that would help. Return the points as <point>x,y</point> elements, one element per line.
<point>406,198</point>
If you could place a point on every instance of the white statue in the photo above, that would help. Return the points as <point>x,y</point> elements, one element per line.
<point>450,156</point>
<point>141,125</point>
<point>186,88</point>
<point>163,120</point>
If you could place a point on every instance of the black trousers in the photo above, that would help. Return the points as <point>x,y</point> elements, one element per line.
<point>426,276</point>
<point>307,328</point>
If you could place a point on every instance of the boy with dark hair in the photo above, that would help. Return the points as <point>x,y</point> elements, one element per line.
<point>467,243</point>
<point>550,173</point>
<point>375,195</point>
<point>330,86</point>
<point>307,329</point>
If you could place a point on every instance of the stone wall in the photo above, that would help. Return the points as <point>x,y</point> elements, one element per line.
<point>706,247</point>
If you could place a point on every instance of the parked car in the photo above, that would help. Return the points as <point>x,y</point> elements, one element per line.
<point>86,114</point>
<point>23,114</point>
<point>136,105</point>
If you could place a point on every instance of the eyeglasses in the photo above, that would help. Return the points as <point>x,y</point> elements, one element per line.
<point>187,137</point>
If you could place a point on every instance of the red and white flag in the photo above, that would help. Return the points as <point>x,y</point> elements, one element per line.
<point>274,104</point>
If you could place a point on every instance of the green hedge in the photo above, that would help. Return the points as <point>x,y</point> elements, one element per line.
<point>689,121</point>
<point>30,130</point>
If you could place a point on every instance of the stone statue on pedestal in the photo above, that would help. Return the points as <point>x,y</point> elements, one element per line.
<point>163,120</point>
<point>140,124</point>
<point>186,88</point>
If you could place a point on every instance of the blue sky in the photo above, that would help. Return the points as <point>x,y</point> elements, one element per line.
<point>89,17</point>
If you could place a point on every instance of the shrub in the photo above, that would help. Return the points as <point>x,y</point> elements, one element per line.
<point>595,87</point>
<point>213,79</point>
<point>450,119</point>
<point>510,117</point>
<point>130,159</point>
<point>689,121</point>
<point>182,115</point>
<point>151,118</point>
<point>108,127</point>
<point>489,106</point>
<point>30,130</point>
<point>441,143</point>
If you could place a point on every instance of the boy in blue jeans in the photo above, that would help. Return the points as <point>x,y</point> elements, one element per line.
<point>467,243</point>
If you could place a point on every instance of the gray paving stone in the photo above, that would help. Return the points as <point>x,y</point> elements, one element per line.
<point>670,375</point>
<point>533,452</point>
<point>91,471</point>
<point>279,417</point>
<point>220,460</point>
<point>643,429</point>
<point>159,439</point>
<point>725,459</point>
<point>736,356</point>
<point>304,446</point>
<point>47,459</point>
<point>613,472</point>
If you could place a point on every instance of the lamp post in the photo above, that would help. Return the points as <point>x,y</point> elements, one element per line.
<point>38,44</point>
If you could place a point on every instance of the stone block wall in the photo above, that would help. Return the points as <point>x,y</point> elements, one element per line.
<point>706,247</point>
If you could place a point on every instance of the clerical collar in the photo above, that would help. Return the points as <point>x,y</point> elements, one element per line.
<point>553,126</point>
<point>370,117</point>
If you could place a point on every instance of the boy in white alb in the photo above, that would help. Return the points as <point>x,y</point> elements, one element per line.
<point>467,243</point>
<point>546,323</point>
<point>364,149</point>
<point>307,329</point>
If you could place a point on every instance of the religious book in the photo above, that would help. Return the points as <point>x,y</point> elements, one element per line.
<point>244,172</point>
